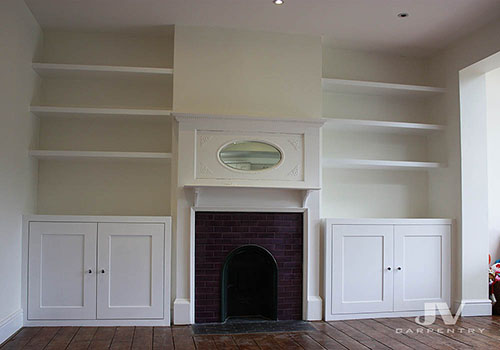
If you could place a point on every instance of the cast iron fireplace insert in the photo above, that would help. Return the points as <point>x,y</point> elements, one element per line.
<point>249,284</point>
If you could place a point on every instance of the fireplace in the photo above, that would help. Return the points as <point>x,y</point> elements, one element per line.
<point>249,284</point>
<point>248,264</point>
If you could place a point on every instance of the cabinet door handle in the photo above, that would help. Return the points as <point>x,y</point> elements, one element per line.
<point>389,268</point>
<point>90,271</point>
<point>102,271</point>
<point>399,268</point>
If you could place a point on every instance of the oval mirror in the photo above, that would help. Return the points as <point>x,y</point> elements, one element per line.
<point>250,155</point>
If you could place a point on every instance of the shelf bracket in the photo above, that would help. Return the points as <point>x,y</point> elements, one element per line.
<point>196,195</point>
<point>305,195</point>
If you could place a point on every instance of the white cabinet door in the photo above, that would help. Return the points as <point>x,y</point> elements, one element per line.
<point>362,268</point>
<point>422,266</point>
<point>130,271</point>
<point>61,271</point>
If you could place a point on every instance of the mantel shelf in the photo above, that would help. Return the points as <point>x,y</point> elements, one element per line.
<point>79,71</point>
<point>306,191</point>
<point>382,126</point>
<point>377,88</point>
<point>44,111</point>
<point>103,155</point>
<point>350,163</point>
<point>201,186</point>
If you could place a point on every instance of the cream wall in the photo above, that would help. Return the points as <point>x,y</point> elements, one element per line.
<point>236,72</point>
<point>493,144</point>
<point>363,65</point>
<point>120,49</point>
<point>19,38</point>
<point>445,185</point>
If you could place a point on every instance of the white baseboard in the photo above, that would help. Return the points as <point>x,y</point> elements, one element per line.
<point>343,317</point>
<point>96,323</point>
<point>182,312</point>
<point>314,309</point>
<point>473,307</point>
<point>10,325</point>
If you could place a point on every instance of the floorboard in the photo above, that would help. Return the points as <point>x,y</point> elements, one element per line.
<point>373,334</point>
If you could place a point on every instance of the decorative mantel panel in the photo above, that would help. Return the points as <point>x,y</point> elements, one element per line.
<point>245,164</point>
<point>202,138</point>
<point>210,166</point>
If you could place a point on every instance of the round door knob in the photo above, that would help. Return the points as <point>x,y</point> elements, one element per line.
<point>389,268</point>
<point>102,271</point>
<point>90,270</point>
<point>399,268</point>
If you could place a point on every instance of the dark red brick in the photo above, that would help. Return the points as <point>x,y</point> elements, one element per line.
<point>217,234</point>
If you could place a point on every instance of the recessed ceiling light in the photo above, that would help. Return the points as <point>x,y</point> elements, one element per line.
<point>403,15</point>
<point>278,2</point>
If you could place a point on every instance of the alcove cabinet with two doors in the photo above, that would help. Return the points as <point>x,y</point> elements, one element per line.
<point>97,268</point>
<point>386,267</point>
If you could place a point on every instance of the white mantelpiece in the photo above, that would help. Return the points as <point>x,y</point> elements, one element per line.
<point>203,183</point>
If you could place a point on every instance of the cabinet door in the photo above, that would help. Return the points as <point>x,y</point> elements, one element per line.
<point>61,271</point>
<point>362,268</point>
<point>130,270</point>
<point>422,266</point>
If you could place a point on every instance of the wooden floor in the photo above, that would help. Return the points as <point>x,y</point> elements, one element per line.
<point>395,333</point>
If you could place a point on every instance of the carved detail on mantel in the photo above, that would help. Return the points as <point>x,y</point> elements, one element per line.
<point>305,195</point>
<point>294,171</point>
<point>204,139</point>
<point>205,170</point>
<point>295,142</point>
<point>196,196</point>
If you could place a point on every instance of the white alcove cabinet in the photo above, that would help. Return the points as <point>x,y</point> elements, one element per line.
<point>62,263</point>
<point>97,269</point>
<point>384,267</point>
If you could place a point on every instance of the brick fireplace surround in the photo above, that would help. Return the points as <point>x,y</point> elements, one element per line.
<point>219,233</point>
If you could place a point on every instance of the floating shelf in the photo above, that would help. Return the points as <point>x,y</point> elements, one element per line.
<point>377,88</point>
<point>382,126</point>
<point>104,155</point>
<point>79,71</point>
<point>349,163</point>
<point>43,111</point>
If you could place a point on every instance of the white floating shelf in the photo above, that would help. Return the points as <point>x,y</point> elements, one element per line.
<point>382,126</point>
<point>350,163</point>
<point>104,155</point>
<point>377,88</point>
<point>79,71</point>
<point>43,111</point>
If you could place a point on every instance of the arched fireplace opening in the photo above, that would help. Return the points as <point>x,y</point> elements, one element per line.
<point>249,284</point>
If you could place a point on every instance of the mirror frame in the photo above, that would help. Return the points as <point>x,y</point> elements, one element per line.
<point>275,166</point>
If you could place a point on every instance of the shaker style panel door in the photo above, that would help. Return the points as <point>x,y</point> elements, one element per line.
<point>422,266</point>
<point>362,268</point>
<point>61,271</point>
<point>130,271</point>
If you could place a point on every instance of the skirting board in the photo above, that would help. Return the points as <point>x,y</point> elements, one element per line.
<point>343,317</point>
<point>96,323</point>
<point>314,309</point>
<point>10,325</point>
<point>182,312</point>
<point>473,307</point>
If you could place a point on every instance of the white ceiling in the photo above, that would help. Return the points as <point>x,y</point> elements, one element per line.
<point>356,24</point>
